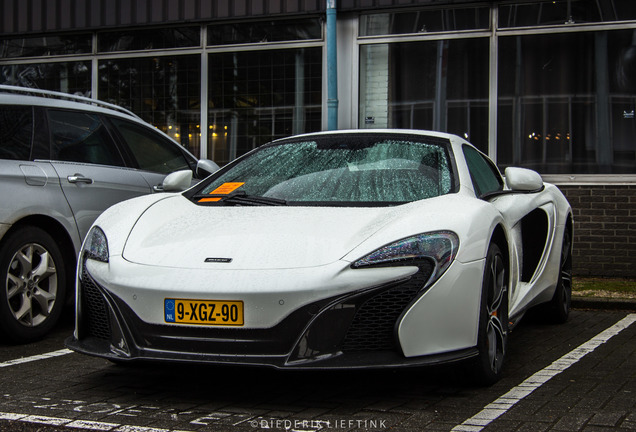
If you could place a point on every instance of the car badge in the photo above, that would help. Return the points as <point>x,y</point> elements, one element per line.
<point>218,260</point>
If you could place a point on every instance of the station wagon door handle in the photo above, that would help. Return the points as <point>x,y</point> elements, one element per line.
<point>78,178</point>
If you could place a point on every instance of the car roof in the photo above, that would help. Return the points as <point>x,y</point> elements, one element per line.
<point>419,132</point>
<point>35,97</point>
<point>13,95</point>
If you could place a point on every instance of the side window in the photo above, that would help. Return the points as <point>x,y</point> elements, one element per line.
<point>16,131</point>
<point>485,175</point>
<point>81,137</point>
<point>152,151</point>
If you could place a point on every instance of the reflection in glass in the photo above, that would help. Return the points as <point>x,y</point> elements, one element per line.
<point>81,137</point>
<point>150,149</point>
<point>425,21</point>
<point>555,12</point>
<point>259,96</point>
<point>45,46</point>
<point>164,91</point>
<point>16,132</point>
<point>566,102</point>
<point>346,169</point>
<point>179,37</point>
<point>433,85</point>
<point>265,31</point>
<point>66,77</point>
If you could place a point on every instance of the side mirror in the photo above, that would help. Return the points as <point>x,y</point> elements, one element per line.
<point>522,179</point>
<point>205,167</point>
<point>177,181</point>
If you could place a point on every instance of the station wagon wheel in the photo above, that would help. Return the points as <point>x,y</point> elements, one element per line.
<point>493,321</point>
<point>33,280</point>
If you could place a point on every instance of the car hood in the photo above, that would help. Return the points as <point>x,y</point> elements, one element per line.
<point>175,232</point>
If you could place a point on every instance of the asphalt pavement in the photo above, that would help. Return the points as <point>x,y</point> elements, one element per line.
<point>580,376</point>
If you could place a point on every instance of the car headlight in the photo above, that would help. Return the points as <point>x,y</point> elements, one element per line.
<point>96,245</point>
<point>440,247</point>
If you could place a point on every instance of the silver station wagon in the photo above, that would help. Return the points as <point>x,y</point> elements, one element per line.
<point>63,160</point>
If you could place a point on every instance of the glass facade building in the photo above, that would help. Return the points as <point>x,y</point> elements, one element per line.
<point>543,84</point>
<point>546,85</point>
<point>549,85</point>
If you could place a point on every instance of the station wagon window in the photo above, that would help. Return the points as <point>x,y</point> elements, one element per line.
<point>485,176</point>
<point>81,137</point>
<point>16,130</point>
<point>152,151</point>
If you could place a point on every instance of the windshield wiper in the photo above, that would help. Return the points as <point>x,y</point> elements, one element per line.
<point>242,198</point>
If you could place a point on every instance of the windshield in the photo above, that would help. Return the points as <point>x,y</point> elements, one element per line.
<point>349,169</point>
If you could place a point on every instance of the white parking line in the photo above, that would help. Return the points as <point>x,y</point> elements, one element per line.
<point>499,407</point>
<point>79,424</point>
<point>35,358</point>
<point>474,424</point>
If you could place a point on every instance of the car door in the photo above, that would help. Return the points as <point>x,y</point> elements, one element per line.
<point>154,154</point>
<point>26,186</point>
<point>91,167</point>
<point>531,218</point>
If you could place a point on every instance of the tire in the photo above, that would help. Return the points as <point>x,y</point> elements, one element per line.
<point>558,309</point>
<point>32,284</point>
<point>493,319</point>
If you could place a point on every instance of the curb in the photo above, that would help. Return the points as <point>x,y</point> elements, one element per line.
<point>603,303</point>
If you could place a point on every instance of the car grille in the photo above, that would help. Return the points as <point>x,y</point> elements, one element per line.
<point>94,309</point>
<point>374,324</point>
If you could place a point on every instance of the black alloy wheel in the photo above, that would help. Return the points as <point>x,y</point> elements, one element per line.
<point>493,320</point>
<point>558,310</point>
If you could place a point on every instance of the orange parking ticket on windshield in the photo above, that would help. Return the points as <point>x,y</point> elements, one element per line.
<point>224,189</point>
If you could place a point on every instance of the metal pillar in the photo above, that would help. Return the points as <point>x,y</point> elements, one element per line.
<point>332,67</point>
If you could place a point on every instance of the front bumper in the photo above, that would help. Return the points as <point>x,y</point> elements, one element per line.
<point>357,329</point>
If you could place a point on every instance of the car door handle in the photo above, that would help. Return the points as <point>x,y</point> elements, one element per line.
<point>78,178</point>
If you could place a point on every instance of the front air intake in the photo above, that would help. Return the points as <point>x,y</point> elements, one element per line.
<point>374,324</point>
<point>94,309</point>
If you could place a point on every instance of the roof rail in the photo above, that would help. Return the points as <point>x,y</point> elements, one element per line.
<point>64,96</point>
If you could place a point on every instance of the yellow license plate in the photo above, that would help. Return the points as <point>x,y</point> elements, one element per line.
<point>204,312</point>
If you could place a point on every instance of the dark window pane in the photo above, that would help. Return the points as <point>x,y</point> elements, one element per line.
<point>181,37</point>
<point>622,10</point>
<point>439,85</point>
<point>424,21</point>
<point>265,31</point>
<point>258,96</point>
<point>164,91</point>
<point>81,137</point>
<point>554,12</point>
<point>485,176</point>
<point>152,151</point>
<point>66,77</point>
<point>566,102</point>
<point>16,131</point>
<point>45,46</point>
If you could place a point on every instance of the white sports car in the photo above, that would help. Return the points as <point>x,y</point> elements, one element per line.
<point>345,249</point>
